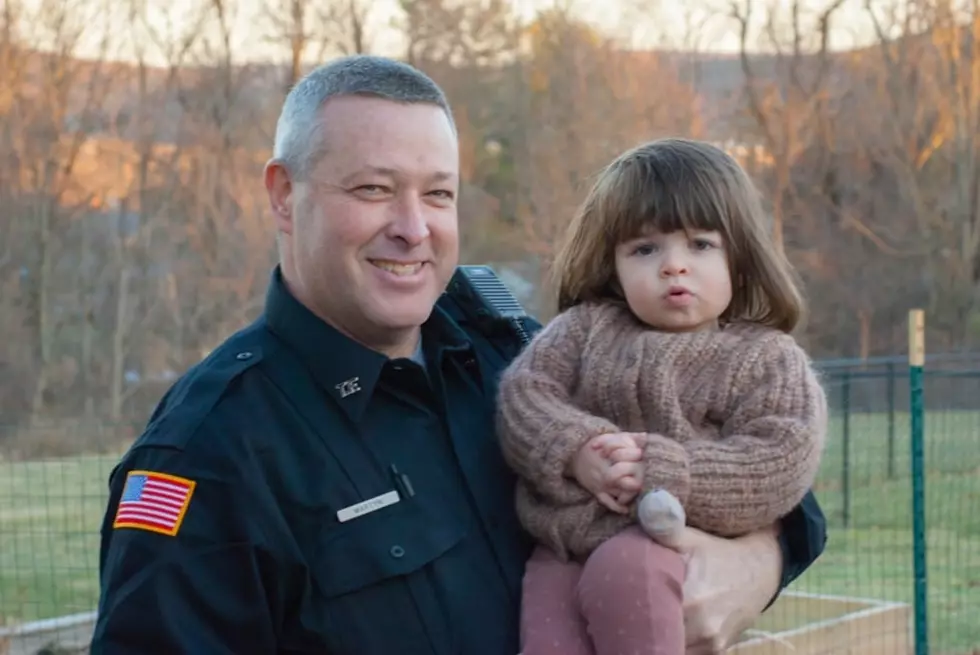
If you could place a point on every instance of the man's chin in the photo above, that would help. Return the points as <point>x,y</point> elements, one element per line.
<point>406,313</point>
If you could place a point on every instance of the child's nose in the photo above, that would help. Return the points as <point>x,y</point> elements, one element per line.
<point>673,265</point>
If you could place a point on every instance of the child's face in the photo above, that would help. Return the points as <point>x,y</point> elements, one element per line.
<point>675,282</point>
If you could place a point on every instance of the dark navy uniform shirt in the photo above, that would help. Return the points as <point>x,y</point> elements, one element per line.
<point>224,531</point>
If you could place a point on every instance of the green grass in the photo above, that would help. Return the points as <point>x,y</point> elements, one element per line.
<point>872,556</point>
<point>50,514</point>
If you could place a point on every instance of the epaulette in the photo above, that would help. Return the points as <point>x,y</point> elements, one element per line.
<point>194,396</point>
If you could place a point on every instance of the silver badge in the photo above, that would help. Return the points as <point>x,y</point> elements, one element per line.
<point>348,387</point>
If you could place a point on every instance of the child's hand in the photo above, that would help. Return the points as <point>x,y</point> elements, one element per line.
<point>610,467</point>
<point>623,448</point>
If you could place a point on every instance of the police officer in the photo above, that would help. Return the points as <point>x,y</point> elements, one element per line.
<point>328,480</point>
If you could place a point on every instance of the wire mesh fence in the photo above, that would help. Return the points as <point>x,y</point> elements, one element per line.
<point>859,598</point>
<point>53,490</point>
<point>866,489</point>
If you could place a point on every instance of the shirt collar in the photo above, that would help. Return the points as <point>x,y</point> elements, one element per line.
<point>346,369</point>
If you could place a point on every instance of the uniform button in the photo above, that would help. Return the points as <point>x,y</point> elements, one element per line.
<point>397,551</point>
<point>243,355</point>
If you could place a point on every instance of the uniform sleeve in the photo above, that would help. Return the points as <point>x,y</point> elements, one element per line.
<point>802,539</point>
<point>198,586</point>
<point>539,427</point>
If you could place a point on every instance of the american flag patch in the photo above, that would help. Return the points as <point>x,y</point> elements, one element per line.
<point>153,501</point>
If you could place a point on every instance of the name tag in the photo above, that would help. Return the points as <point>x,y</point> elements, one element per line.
<point>368,506</point>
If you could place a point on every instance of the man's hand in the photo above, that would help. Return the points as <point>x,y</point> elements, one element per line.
<point>729,582</point>
<point>610,466</point>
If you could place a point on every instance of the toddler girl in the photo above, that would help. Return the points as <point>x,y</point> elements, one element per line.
<point>668,387</point>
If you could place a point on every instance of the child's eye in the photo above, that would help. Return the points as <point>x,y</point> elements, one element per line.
<point>703,244</point>
<point>644,249</point>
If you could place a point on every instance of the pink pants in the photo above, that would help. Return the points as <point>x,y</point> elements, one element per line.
<point>625,599</point>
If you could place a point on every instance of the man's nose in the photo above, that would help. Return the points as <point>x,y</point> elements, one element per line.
<point>409,223</point>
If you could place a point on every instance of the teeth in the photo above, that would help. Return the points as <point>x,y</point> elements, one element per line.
<point>398,269</point>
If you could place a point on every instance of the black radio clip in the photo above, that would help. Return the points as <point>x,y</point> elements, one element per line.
<point>488,302</point>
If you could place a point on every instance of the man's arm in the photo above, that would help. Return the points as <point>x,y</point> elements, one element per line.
<point>802,539</point>
<point>731,582</point>
<point>179,569</point>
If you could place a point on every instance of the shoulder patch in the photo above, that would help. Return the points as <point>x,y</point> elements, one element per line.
<point>155,502</point>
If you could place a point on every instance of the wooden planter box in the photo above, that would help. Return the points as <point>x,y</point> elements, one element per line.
<point>808,624</point>
<point>71,634</point>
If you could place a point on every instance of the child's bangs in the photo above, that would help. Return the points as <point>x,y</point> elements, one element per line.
<point>652,200</point>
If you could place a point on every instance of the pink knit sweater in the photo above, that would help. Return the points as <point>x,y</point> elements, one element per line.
<point>736,421</point>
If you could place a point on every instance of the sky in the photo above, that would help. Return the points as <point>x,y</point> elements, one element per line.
<point>660,22</point>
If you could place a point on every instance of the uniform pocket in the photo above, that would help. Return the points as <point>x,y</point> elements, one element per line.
<point>371,581</point>
<point>390,542</point>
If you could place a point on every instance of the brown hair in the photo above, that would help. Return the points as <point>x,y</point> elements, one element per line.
<point>678,184</point>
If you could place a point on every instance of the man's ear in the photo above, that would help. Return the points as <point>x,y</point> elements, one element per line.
<point>279,187</point>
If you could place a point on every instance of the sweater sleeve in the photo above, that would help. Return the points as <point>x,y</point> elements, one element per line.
<point>769,452</point>
<point>539,427</point>
<point>568,530</point>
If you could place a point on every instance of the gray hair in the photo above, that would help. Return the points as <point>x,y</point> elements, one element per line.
<point>299,142</point>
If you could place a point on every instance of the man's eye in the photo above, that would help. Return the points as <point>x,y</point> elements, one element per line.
<point>371,188</point>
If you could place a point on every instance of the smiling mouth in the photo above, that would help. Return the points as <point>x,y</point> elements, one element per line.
<point>397,268</point>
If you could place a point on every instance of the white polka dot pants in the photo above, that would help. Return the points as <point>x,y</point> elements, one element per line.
<point>625,600</point>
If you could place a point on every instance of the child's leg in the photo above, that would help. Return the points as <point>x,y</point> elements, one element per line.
<point>631,595</point>
<point>550,619</point>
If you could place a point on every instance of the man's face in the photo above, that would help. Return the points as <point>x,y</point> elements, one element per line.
<point>370,236</point>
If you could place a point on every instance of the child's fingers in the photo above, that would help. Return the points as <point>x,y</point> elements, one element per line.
<point>620,470</point>
<point>611,441</point>
<point>628,483</point>
<point>610,503</point>
<point>599,442</point>
<point>624,498</point>
<point>623,454</point>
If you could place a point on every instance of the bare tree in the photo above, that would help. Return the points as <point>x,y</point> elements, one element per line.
<point>457,32</point>
<point>928,137</point>
<point>311,30</point>
<point>787,103</point>
<point>55,104</point>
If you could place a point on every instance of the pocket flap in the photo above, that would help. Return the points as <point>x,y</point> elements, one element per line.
<point>389,542</point>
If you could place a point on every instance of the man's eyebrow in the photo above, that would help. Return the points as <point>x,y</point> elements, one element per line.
<point>442,176</point>
<point>438,176</point>
<point>368,170</point>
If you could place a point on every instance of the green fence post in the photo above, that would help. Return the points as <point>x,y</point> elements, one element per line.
<point>917,359</point>
<point>891,420</point>
<point>845,405</point>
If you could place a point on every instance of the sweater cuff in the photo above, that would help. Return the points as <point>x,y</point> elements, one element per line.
<point>559,483</point>
<point>666,467</point>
